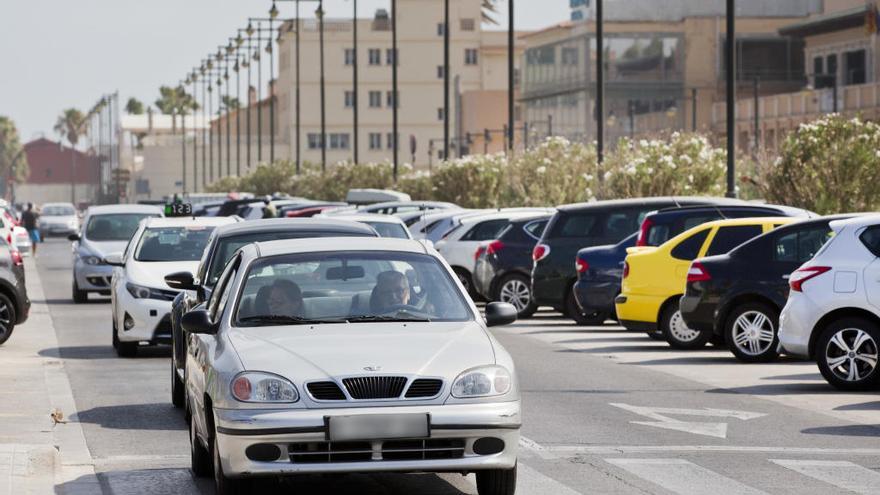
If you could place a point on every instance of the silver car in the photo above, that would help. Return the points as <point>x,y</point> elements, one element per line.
<point>333,356</point>
<point>106,230</point>
<point>58,219</point>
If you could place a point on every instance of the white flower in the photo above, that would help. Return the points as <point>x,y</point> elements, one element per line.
<point>691,178</point>
<point>541,170</point>
<point>631,170</point>
<point>607,175</point>
<point>588,177</point>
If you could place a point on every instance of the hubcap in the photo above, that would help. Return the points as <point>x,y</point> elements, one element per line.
<point>679,330</point>
<point>515,292</point>
<point>851,354</point>
<point>753,333</point>
<point>5,319</point>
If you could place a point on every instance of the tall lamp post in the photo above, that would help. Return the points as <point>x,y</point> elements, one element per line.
<point>394,97</point>
<point>600,81</point>
<point>320,15</point>
<point>510,76</point>
<point>273,13</point>
<point>446,79</point>
<point>731,98</point>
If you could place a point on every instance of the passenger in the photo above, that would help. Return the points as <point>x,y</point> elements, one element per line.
<point>392,289</point>
<point>282,298</point>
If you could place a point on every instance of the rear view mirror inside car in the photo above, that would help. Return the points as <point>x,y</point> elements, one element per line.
<point>345,272</point>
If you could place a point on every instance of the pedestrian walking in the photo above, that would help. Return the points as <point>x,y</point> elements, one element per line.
<point>29,222</point>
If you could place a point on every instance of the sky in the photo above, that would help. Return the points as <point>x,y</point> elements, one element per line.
<point>56,54</point>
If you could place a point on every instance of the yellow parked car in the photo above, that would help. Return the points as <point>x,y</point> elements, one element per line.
<point>654,278</point>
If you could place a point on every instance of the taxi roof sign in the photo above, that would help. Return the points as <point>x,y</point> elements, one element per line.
<point>178,210</point>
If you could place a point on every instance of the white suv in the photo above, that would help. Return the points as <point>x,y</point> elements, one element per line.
<point>833,310</point>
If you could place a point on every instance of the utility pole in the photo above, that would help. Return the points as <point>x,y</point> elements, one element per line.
<point>731,98</point>
<point>600,82</point>
<point>510,76</point>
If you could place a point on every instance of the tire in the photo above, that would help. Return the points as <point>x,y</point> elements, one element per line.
<point>496,481</point>
<point>847,354</point>
<point>79,296</point>
<point>751,332</point>
<point>177,395</point>
<point>200,458</point>
<point>656,336</point>
<point>222,484</point>
<point>7,318</point>
<point>677,334</point>
<point>123,349</point>
<point>515,289</point>
<point>573,311</point>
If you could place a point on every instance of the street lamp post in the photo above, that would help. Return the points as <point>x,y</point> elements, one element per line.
<point>320,15</point>
<point>446,79</point>
<point>731,98</point>
<point>510,74</point>
<point>183,141</point>
<point>394,97</point>
<point>355,89</point>
<point>273,13</point>
<point>600,81</point>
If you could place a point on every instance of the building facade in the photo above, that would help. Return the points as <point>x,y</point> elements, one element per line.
<point>58,173</point>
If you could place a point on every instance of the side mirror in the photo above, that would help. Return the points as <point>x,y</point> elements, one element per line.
<point>181,281</point>
<point>73,237</point>
<point>499,313</point>
<point>197,321</point>
<point>114,259</point>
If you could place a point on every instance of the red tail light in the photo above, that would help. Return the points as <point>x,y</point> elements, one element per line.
<point>540,252</point>
<point>799,277</point>
<point>625,269</point>
<point>479,251</point>
<point>494,247</point>
<point>17,260</point>
<point>9,238</point>
<point>643,232</point>
<point>698,273</point>
<point>581,265</point>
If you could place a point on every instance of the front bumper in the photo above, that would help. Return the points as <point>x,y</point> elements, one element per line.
<point>697,313</point>
<point>151,317</point>
<point>92,278</point>
<point>292,431</point>
<point>58,228</point>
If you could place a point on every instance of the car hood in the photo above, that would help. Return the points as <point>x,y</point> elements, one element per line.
<point>152,274</point>
<point>102,248</point>
<point>316,352</point>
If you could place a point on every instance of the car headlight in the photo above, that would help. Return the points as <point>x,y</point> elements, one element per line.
<point>72,224</point>
<point>485,381</point>
<point>90,259</point>
<point>138,291</point>
<point>255,386</point>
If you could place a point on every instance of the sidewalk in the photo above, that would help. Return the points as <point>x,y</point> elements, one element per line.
<point>38,456</point>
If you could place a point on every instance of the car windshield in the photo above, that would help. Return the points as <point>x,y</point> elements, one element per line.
<point>58,211</point>
<point>393,230</point>
<point>352,287</point>
<point>173,243</point>
<point>113,227</point>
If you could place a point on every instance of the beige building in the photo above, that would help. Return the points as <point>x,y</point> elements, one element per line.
<point>478,61</point>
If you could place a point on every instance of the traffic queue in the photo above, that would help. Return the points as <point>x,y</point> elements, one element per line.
<point>321,337</point>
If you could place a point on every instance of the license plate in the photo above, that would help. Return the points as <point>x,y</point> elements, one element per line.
<point>377,427</point>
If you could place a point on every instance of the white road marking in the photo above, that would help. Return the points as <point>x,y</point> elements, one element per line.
<point>530,481</point>
<point>529,446</point>
<point>683,477</point>
<point>661,418</point>
<point>729,449</point>
<point>842,474</point>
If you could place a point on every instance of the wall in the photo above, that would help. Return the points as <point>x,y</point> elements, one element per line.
<point>53,193</point>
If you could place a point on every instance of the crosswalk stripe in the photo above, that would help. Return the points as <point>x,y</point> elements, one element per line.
<point>530,481</point>
<point>842,474</point>
<point>683,477</point>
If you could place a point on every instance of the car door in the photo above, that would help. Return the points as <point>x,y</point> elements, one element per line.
<point>870,238</point>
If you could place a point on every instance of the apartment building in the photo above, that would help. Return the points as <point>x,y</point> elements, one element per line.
<point>478,66</point>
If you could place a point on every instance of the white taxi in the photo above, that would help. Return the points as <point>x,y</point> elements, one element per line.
<point>140,298</point>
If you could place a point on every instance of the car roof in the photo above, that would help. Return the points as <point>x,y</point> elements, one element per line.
<point>189,221</point>
<point>501,215</point>
<point>369,217</point>
<point>741,206</point>
<point>336,244</point>
<point>735,222</point>
<point>111,209</point>
<point>648,201</point>
<point>532,218</point>
<point>295,224</point>
<point>864,220</point>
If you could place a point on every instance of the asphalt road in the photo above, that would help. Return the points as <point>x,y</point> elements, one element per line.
<point>606,411</point>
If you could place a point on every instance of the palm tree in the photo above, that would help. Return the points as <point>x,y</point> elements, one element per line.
<point>230,103</point>
<point>489,10</point>
<point>71,126</point>
<point>13,160</point>
<point>134,107</point>
<point>175,101</point>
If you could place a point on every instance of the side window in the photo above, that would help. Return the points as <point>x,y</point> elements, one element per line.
<point>221,293</point>
<point>811,241</point>
<point>689,248</point>
<point>871,239</point>
<point>536,228</point>
<point>486,231</point>
<point>575,225</point>
<point>785,248</point>
<point>692,222</point>
<point>728,238</point>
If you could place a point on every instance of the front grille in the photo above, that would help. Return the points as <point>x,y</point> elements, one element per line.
<point>325,391</point>
<point>375,387</point>
<point>392,450</point>
<point>424,387</point>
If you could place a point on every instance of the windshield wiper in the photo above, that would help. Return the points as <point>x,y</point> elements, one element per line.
<point>370,318</point>
<point>284,320</point>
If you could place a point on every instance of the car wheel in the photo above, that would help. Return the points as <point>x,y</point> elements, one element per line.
<point>200,458</point>
<point>751,332</point>
<point>123,349</point>
<point>514,289</point>
<point>79,296</point>
<point>573,311</point>
<point>496,482</point>
<point>222,484</point>
<point>177,397</point>
<point>7,318</point>
<point>847,353</point>
<point>677,332</point>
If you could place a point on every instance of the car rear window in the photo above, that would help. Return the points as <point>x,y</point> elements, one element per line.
<point>728,238</point>
<point>871,239</point>
<point>536,228</point>
<point>486,231</point>
<point>801,246</point>
<point>689,248</point>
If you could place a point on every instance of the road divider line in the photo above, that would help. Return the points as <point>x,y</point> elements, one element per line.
<point>683,477</point>
<point>562,450</point>
<point>842,474</point>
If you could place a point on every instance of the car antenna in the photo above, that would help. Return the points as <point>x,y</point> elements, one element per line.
<point>720,213</point>
<point>675,200</point>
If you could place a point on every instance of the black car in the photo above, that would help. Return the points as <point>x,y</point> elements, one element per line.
<point>14,302</point>
<point>503,266</point>
<point>234,207</point>
<point>738,296</point>
<point>577,226</point>
<point>223,243</point>
<point>600,268</point>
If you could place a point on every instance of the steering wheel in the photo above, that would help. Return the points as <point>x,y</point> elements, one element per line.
<point>396,308</point>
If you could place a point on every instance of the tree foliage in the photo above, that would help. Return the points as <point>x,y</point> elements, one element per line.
<point>134,107</point>
<point>70,125</point>
<point>12,155</point>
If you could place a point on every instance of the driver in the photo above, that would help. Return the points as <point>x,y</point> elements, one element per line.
<point>392,289</point>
